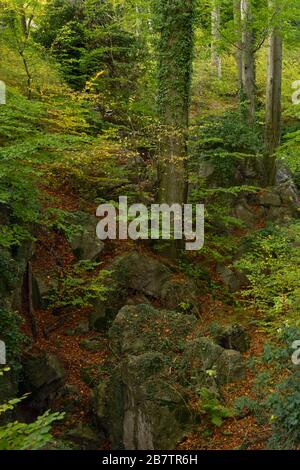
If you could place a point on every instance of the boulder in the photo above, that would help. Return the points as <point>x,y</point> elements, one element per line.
<point>43,285</point>
<point>289,194</point>
<point>244,213</point>
<point>232,279</point>
<point>138,279</point>
<point>134,279</point>
<point>8,386</point>
<point>180,296</point>
<point>85,437</point>
<point>85,243</point>
<point>199,364</point>
<point>140,274</point>
<point>98,316</point>
<point>206,364</point>
<point>141,328</point>
<point>230,367</point>
<point>231,337</point>
<point>71,399</point>
<point>99,404</point>
<point>154,413</point>
<point>13,268</point>
<point>43,377</point>
<point>270,198</point>
<point>143,405</point>
<point>82,328</point>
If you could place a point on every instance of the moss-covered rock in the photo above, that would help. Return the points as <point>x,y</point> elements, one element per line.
<point>231,337</point>
<point>142,328</point>
<point>85,437</point>
<point>140,273</point>
<point>84,242</point>
<point>180,296</point>
<point>44,377</point>
<point>162,363</point>
<point>147,409</point>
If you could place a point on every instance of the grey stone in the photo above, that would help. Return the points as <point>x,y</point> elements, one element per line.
<point>245,215</point>
<point>269,198</point>
<point>99,403</point>
<point>140,273</point>
<point>98,316</point>
<point>44,377</point>
<point>85,437</point>
<point>230,367</point>
<point>154,414</point>
<point>85,244</point>
<point>231,279</point>
<point>81,329</point>
<point>199,364</point>
<point>232,337</point>
<point>8,386</point>
<point>43,285</point>
<point>137,329</point>
<point>180,296</point>
<point>289,194</point>
<point>144,403</point>
<point>206,364</point>
<point>205,169</point>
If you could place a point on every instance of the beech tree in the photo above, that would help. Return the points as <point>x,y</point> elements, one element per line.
<point>216,60</point>
<point>273,96</point>
<point>238,44</point>
<point>248,61</point>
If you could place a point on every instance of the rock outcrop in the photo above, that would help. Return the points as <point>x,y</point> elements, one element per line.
<point>43,377</point>
<point>144,404</point>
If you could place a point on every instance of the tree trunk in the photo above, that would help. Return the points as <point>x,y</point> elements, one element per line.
<point>273,101</point>
<point>248,61</point>
<point>216,60</point>
<point>239,43</point>
<point>175,67</point>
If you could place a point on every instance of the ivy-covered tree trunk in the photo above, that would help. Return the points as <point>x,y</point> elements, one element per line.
<point>248,70</point>
<point>174,78</point>
<point>216,60</point>
<point>273,99</point>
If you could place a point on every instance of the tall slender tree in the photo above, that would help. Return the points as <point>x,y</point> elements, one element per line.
<point>238,42</point>
<point>216,60</point>
<point>248,60</point>
<point>176,42</point>
<point>273,96</point>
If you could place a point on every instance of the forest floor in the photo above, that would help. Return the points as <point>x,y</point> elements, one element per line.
<point>243,432</point>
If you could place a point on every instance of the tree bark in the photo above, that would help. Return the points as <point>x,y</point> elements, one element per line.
<point>30,304</point>
<point>175,67</point>
<point>239,43</point>
<point>216,60</point>
<point>273,101</point>
<point>248,61</point>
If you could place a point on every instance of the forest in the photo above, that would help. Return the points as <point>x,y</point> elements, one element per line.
<point>149,225</point>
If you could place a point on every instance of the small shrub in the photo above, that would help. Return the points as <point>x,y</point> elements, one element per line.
<point>210,406</point>
<point>22,436</point>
